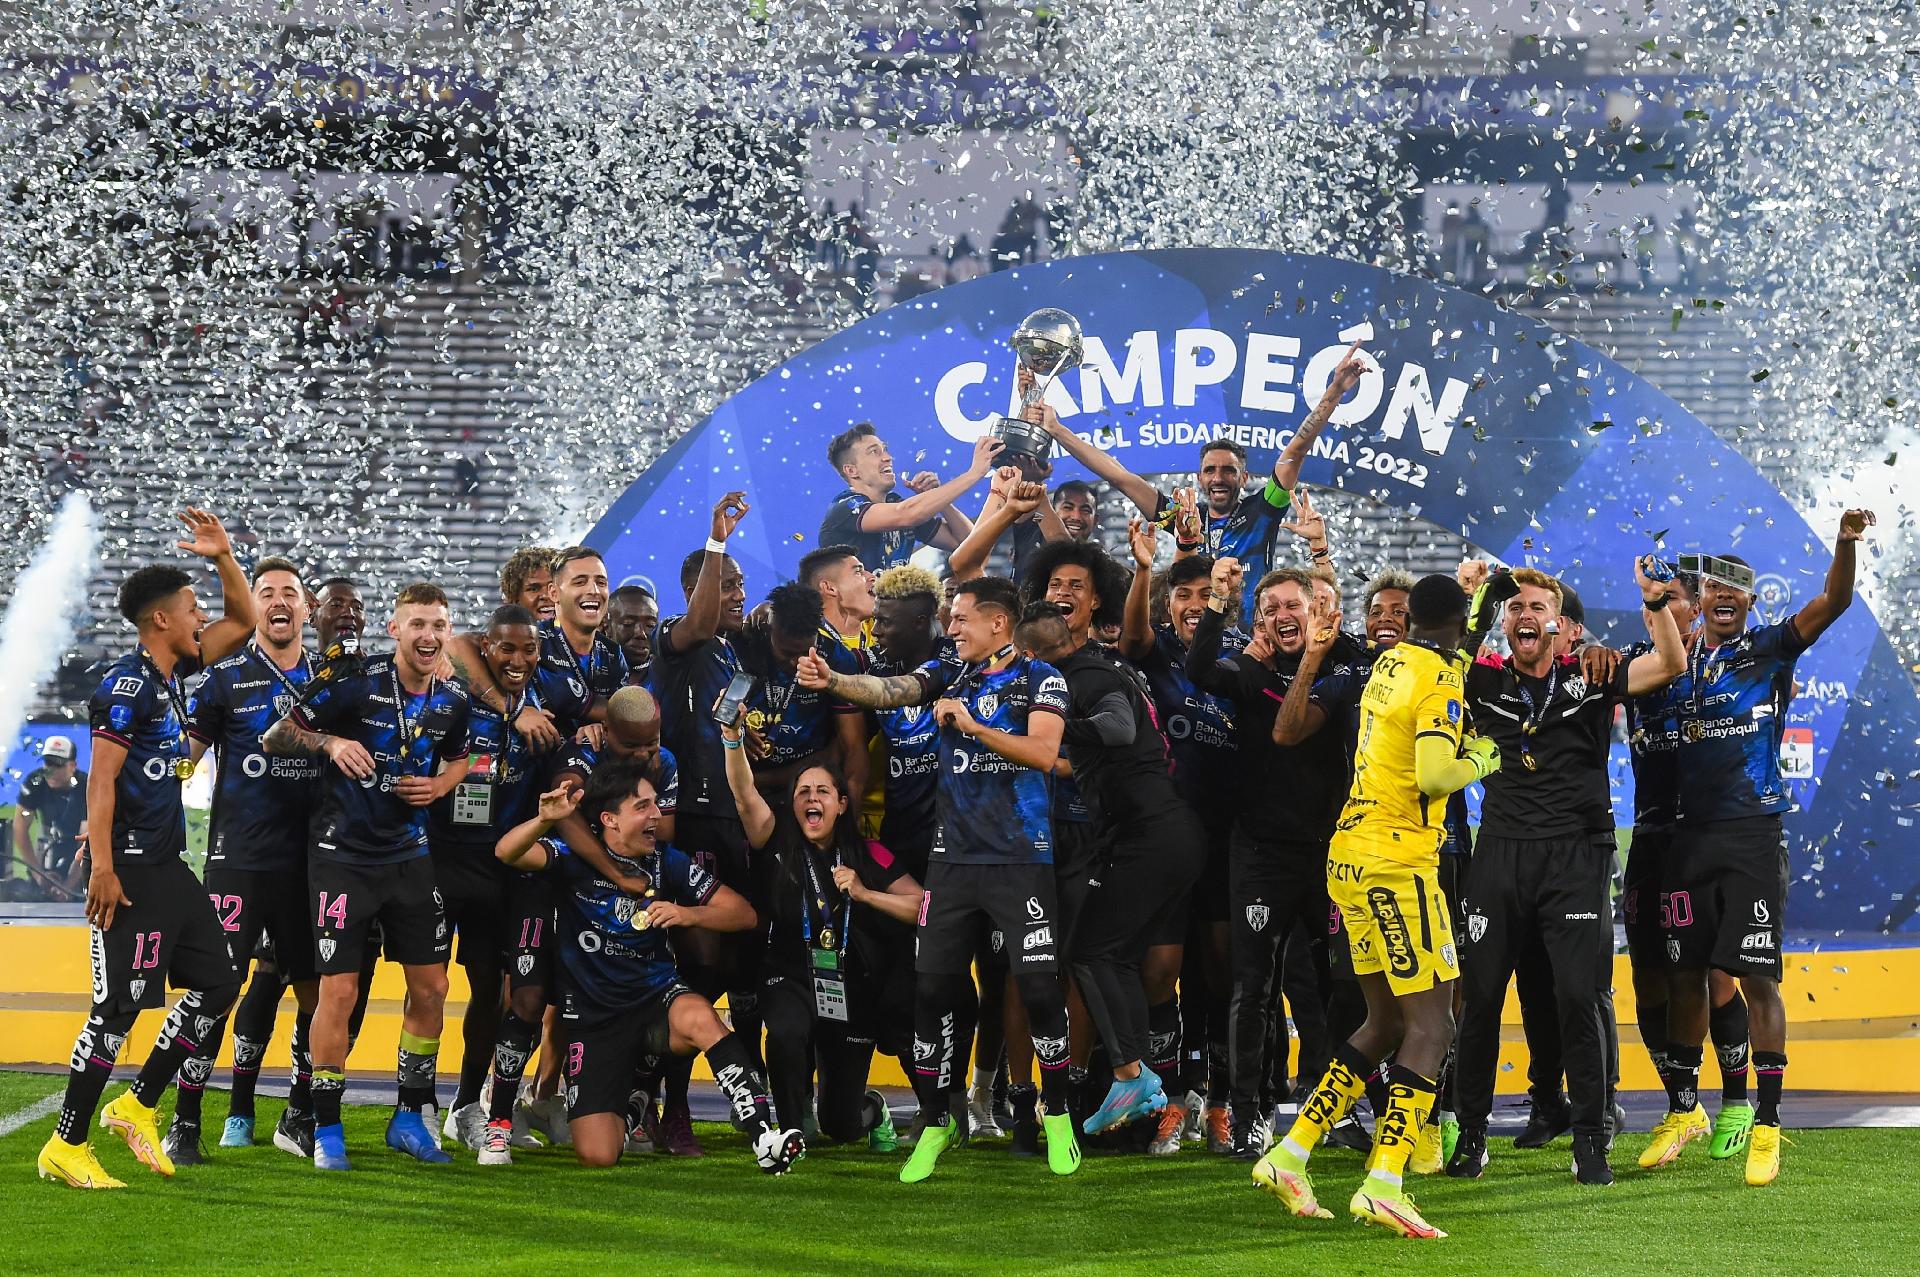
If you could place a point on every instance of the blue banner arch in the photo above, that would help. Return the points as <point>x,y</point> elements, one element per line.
<point>1492,424</point>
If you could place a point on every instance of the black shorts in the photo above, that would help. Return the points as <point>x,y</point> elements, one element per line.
<point>1725,896</point>
<point>530,933</point>
<point>605,1048</point>
<point>473,891</point>
<point>1642,895</point>
<point>719,846</point>
<point>349,897</point>
<point>1079,854</point>
<point>1453,878</point>
<point>965,901</point>
<point>264,914</point>
<point>169,934</point>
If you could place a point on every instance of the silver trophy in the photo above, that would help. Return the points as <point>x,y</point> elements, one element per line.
<point>1047,344</point>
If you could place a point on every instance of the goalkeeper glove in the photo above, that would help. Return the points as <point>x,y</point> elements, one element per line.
<point>1484,755</point>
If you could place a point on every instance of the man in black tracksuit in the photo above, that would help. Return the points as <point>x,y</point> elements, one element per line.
<point>1291,797</point>
<point>1541,873</point>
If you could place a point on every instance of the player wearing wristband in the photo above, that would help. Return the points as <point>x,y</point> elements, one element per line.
<point>1001,718</point>
<point>1726,883</point>
<point>1234,523</point>
<point>1383,873</point>
<point>1542,868</point>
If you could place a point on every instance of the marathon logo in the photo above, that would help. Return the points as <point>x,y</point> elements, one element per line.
<point>1401,960</point>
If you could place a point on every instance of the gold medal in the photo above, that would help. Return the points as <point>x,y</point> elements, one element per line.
<point>1529,762</point>
<point>1693,729</point>
<point>183,769</point>
<point>826,937</point>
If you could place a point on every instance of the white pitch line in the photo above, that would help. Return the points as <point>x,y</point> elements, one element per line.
<point>29,1115</point>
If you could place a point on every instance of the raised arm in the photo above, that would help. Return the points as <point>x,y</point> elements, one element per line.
<point>1299,717</point>
<point>1145,497</point>
<point>969,557</point>
<point>868,690</point>
<point>1822,610</point>
<point>702,620</point>
<point>520,846</point>
<point>911,512</point>
<point>1204,668</point>
<point>208,539</point>
<point>755,816</point>
<point>1668,659</point>
<point>1286,469</point>
<point>1136,623</point>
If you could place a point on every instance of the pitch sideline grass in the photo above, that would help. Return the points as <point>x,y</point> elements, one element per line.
<point>1843,1205</point>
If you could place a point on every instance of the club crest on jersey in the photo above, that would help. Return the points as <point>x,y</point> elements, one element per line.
<point>283,703</point>
<point>623,909</point>
<point>1577,687</point>
<point>1257,916</point>
<point>327,947</point>
<point>1476,926</point>
<point>988,704</point>
<point>138,989</point>
<point>1673,949</point>
<point>524,964</point>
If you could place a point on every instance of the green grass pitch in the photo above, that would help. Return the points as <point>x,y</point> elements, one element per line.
<point>1843,1204</point>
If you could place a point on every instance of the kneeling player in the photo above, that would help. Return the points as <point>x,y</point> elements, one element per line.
<point>621,997</point>
<point>1383,873</point>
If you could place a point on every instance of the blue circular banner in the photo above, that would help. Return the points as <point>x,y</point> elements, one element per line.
<point>1524,441</point>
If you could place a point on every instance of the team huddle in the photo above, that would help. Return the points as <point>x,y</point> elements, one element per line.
<point>1075,844</point>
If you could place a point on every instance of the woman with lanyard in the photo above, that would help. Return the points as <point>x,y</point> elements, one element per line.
<point>826,894</point>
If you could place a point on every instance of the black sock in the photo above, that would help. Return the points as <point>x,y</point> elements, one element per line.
<point>479,1031</point>
<point>936,1024</point>
<point>677,1073</point>
<point>329,1086</point>
<point>188,1024</point>
<point>1770,1071</point>
<point>1682,1078</point>
<point>1727,1027</point>
<point>1163,1045</point>
<point>510,1054</point>
<point>247,1055</point>
<point>300,1089</point>
<point>96,1049</point>
<point>734,1073</point>
<point>192,1089</point>
<point>419,1061</point>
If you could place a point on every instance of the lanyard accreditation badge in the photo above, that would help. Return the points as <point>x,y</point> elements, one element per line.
<point>828,954</point>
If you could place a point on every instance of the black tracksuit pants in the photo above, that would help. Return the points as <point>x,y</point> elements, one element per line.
<point>1146,878</point>
<point>1553,891</point>
<point>1273,889</point>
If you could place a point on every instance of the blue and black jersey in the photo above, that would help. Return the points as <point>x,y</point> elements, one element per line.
<point>610,961</point>
<point>687,684</point>
<point>501,788</point>
<point>1733,709</point>
<point>992,811</point>
<point>603,670</point>
<point>878,550</point>
<point>795,721</point>
<point>262,803</point>
<point>1198,724</point>
<point>1247,533</point>
<point>1653,742</point>
<point>407,735</point>
<point>138,709</point>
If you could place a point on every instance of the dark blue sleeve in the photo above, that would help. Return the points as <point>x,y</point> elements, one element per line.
<point>336,702</point>
<point>669,795</point>
<point>686,883</point>
<point>1780,640</point>
<point>121,703</point>
<point>937,675</point>
<point>843,518</point>
<point>207,709</point>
